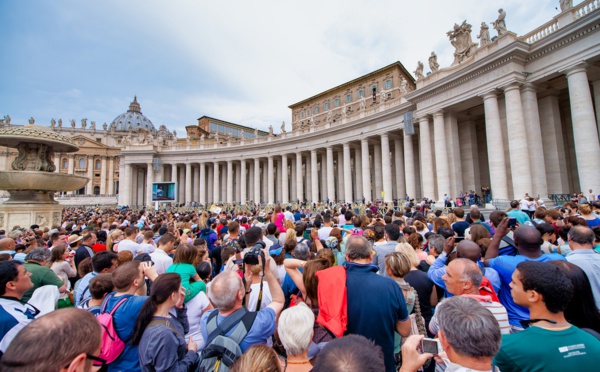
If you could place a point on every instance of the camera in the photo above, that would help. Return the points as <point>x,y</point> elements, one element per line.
<point>251,257</point>
<point>430,345</point>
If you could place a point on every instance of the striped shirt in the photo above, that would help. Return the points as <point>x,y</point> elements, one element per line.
<point>496,308</point>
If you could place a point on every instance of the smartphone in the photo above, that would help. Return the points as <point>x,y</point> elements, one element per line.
<point>512,222</point>
<point>430,345</point>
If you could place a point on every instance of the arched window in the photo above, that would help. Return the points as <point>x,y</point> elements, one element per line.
<point>82,163</point>
<point>65,164</point>
<point>98,164</point>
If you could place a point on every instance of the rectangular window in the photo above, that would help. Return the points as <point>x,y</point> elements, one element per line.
<point>326,106</point>
<point>361,93</point>
<point>374,88</point>
<point>302,114</point>
<point>336,102</point>
<point>221,129</point>
<point>236,132</point>
<point>348,98</point>
<point>307,112</point>
<point>387,84</point>
<point>213,127</point>
<point>316,109</point>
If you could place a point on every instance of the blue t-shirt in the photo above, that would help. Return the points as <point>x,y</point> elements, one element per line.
<point>124,321</point>
<point>375,305</point>
<point>262,328</point>
<point>506,266</point>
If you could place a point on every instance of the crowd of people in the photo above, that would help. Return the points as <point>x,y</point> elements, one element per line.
<point>284,288</point>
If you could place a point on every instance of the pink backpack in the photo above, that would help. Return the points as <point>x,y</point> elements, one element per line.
<point>112,346</point>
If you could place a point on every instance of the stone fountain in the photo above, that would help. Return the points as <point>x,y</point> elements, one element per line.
<point>32,181</point>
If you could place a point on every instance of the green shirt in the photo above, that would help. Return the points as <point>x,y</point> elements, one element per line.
<point>187,271</point>
<point>539,349</point>
<point>40,276</point>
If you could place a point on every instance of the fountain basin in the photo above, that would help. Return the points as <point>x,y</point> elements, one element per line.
<point>40,181</point>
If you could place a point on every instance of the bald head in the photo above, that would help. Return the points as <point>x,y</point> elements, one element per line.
<point>528,238</point>
<point>7,244</point>
<point>226,291</point>
<point>468,249</point>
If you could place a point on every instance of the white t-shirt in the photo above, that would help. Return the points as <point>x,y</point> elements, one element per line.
<point>524,204</point>
<point>324,232</point>
<point>129,245</point>
<point>147,247</point>
<point>161,261</point>
<point>288,216</point>
<point>267,298</point>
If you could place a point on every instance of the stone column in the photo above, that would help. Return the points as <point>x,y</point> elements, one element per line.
<point>377,170</point>
<point>454,147</point>
<point>409,167</point>
<point>587,147</point>
<point>195,183</point>
<point>399,164</point>
<point>534,136</point>
<point>257,180</point>
<point>57,164</point>
<point>358,175</point>
<point>103,176</point>
<point>323,176</point>
<point>366,169</point>
<point>314,176</point>
<point>469,157</point>
<point>243,187</point>
<point>554,145</point>
<point>427,173</point>
<point>441,156</point>
<point>285,191</point>
<point>386,167</point>
<point>173,172</point>
<point>237,186</point>
<point>495,147</point>
<point>517,142</point>
<point>216,183</point>
<point>229,181</point>
<point>339,192</point>
<point>270,181</point>
<point>347,173</point>
<point>299,177</point>
<point>111,176</point>
<point>125,186</point>
<point>90,173</point>
<point>250,193</point>
<point>596,88</point>
<point>293,180</point>
<point>149,181</point>
<point>202,183</point>
<point>71,169</point>
<point>188,182</point>
<point>330,175</point>
<point>210,193</point>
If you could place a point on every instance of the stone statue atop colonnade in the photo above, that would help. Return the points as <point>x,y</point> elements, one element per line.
<point>461,40</point>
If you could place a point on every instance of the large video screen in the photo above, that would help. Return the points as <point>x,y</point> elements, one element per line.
<point>164,191</point>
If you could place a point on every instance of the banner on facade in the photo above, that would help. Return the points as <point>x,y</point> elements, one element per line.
<point>409,128</point>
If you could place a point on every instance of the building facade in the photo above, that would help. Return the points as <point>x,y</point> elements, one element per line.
<point>517,114</point>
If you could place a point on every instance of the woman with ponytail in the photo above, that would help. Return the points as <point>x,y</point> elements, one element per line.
<point>160,333</point>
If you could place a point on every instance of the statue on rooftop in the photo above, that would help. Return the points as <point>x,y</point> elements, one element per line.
<point>270,130</point>
<point>565,5</point>
<point>484,35</point>
<point>52,123</point>
<point>93,126</point>
<point>500,23</point>
<point>188,140</point>
<point>460,38</point>
<point>104,126</point>
<point>60,123</point>
<point>419,71</point>
<point>7,119</point>
<point>433,63</point>
<point>282,127</point>
<point>83,123</point>
<point>202,138</point>
<point>403,85</point>
<point>31,120</point>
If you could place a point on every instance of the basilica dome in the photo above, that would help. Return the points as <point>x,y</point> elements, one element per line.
<point>132,120</point>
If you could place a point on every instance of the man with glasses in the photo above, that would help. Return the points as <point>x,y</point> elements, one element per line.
<point>14,315</point>
<point>35,347</point>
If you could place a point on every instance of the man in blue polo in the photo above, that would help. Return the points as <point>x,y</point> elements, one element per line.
<point>376,305</point>
<point>528,241</point>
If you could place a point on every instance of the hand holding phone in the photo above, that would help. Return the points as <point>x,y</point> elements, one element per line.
<point>430,345</point>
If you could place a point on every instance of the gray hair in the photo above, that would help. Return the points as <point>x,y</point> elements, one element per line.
<point>38,254</point>
<point>437,242</point>
<point>15,234</point>
<point>223,290</point>
<point>295,329</point>
<point>470,271</point>
<point>582,235</point>
<point>301,251</point>
<point>357,248</point>
<point>469,328</point>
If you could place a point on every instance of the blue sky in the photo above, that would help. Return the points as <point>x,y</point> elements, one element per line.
<point>239,61</point>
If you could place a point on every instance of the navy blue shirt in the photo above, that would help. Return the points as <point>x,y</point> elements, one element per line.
<point>375,305</point>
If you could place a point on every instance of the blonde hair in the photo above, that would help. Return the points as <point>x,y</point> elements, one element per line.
<point>585,209</point>
<point>258,358</point>
<point>110,241</point>
<point>409,251</point>
<point>398,263</point>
